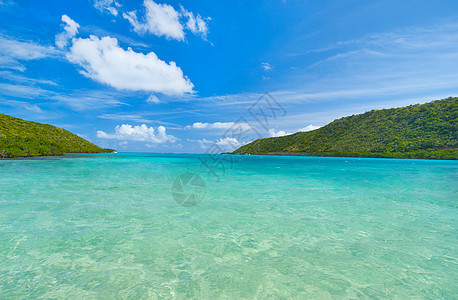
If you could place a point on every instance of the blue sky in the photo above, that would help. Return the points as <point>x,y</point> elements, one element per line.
<point>175,76</point>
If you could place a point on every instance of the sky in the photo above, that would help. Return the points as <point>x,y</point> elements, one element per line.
<point>195,76</point>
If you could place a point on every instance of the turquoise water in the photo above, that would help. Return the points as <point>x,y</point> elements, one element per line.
<point>107,226</point>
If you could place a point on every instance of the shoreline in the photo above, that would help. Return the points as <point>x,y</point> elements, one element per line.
<point>375,155</point>
<point>2,156</point>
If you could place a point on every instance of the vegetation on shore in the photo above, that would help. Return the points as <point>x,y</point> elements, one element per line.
<point>417,131</point>
<point>21,138</point>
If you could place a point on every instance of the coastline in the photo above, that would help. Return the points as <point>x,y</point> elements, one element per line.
<point>451,155</point>
<point>2,156</point>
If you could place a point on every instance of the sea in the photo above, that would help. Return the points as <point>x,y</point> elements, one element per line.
<point>196,226</point>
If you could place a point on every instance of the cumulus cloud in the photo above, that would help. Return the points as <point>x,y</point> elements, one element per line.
<point>273,133</point>
<point>160,19</point>
<point>153,99</point>
<point>142,133</point>
<point>12,51</point>
<point>309,128</point>
<point>266,66</point>
<point>70,30</point>
<point>111,6</point>
<point>228,141</point>
<point>103,60</point>
<point>217,125</point>
<point>164,20</point>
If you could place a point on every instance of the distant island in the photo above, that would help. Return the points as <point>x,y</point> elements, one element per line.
<point>417,131</point>
<point>21,138</point>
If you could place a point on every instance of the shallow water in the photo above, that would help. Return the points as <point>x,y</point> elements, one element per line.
<point>107,226</point>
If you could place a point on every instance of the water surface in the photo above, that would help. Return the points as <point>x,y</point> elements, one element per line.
<point>107,226</point>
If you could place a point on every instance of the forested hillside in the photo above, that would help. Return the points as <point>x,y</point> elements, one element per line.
<point>20,138</point>
<point>416,131</point>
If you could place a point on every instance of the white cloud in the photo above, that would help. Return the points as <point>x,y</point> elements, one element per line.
<point>309,128</point>
<point>224,144</point>
<point>22,105</point>
<point>217,125</point>
<point>111,6</point>
<point>78,100</point>
<point>160,19</point>
<point>198,125</point>
<point>138,118</point>
<point>164,20</point>
<point>23,91</point>
<point>126,117</point>
<point>103,60</point>
<point>153,99</point>
<point>81,100</point>
<point>273,133</point>
<point>23,79</point>
<point>203,143</point>
<point>266,66</point>
<point>196,24</point>
<point>6,2</point>
<point>228,141</point>
<point>70,30</point>
<point>409,61</point>
<point>142,133</point>
<point>13,50</point>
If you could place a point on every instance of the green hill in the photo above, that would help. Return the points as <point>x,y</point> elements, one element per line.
<point>416,131</point>
<point>20,138</point>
